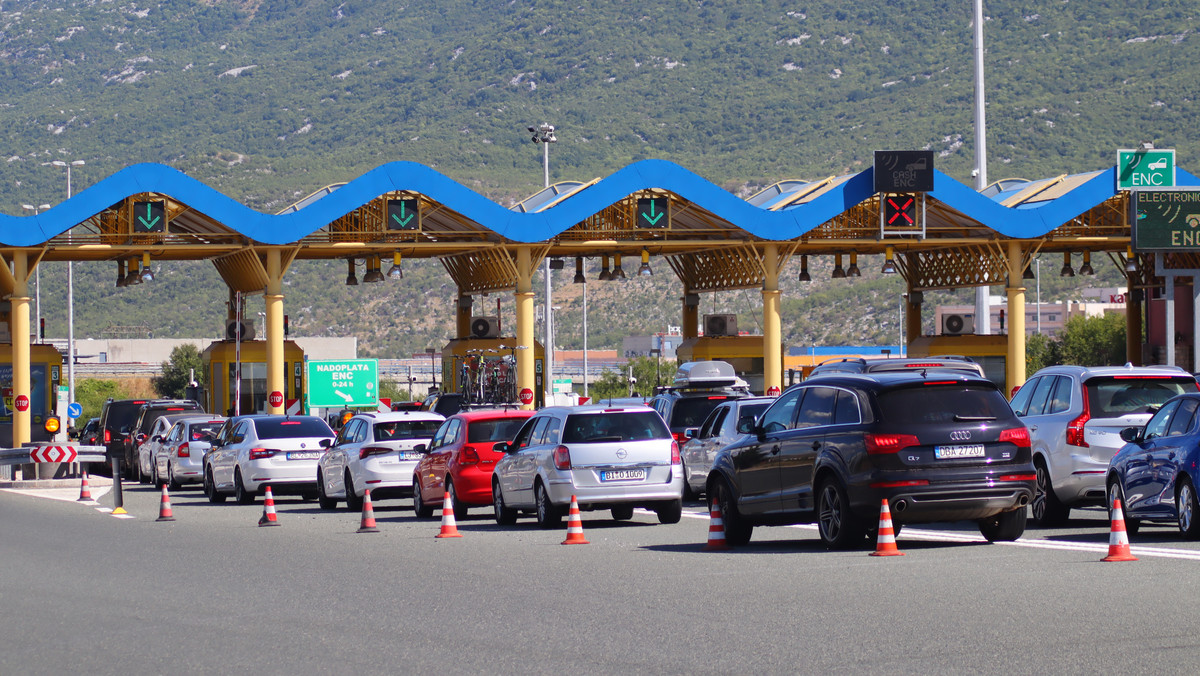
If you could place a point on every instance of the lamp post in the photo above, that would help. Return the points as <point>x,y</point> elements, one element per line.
<point>432,366</point>
<point>544,134</point>
<point>37,278</point>
<point>1038,267</point>
<point>70,297</point>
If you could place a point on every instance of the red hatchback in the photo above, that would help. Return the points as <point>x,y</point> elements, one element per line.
<point>460,459</point>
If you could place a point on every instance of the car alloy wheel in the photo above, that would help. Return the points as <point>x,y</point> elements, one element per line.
<point>354,501</point>
<point>1116,493</point>
<point>210,488</point>
<point>1187,511</point>
<point>505,516</point>
<point>1046,508</point>
<point>243,496</point>
<point>323,499</point>
<point>548,515</point>
<point>460,510</point>
<point>423,511</point>
<point>737,531</point>
<point>838,527</point>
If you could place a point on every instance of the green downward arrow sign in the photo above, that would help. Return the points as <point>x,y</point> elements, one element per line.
<point>146,221</point>
<point>652,218</point>
<point>402,219</point>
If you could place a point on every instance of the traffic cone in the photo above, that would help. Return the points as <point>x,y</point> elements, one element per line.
<point>368,515</point>
<point>449,528</point>
<point>716,530</point>
<point>1118,538</point>
<point>85,493</point>
<point>164,508</point>
<point>885,542</point>
<point>574,526</point>
<point>268,515</point>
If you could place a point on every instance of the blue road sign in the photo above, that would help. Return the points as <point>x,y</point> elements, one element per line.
<point>74,410</point>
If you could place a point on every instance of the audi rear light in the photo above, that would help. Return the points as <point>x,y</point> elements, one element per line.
<point>878,444</point>
<point>1018,477</point>
<point>367,451</point>
<point>901,484</point>
<point>261,453</point>
<point>468,456</point>
<point>1017,435</point>
<point>562,458</point>
<point>183,451</point>
<point>675,459</point>
<point>1075,427</point>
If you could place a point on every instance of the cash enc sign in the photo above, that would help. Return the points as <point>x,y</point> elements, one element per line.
<point>1166,220</point>
<point>903,171</point>
<point>343,383</point>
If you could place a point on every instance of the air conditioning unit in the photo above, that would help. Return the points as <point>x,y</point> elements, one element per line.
<point>720,325</point>
<point>231,330</point>
<point>485,327</point>
<point>957,325</point>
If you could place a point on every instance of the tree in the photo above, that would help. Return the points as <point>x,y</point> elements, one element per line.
<point>646,370</point>
<point>1094,341</point>
<point>1041,351</point>
<point>178,372</point>
<point>91,394</point>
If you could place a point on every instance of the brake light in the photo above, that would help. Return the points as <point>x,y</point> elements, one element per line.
<point>878,444</point>
<point>900,484</point>
<point>468,456</point>
<point>107,436</point>
<point>718,398</point>
<point>1075,427</point>
<point>367,451</point>
<point>675,459</point>
<point>922,366</point>
<point>1016,435</point>
<point>941,382</point>
<point>1018,477</point>
<point>260,453</point>
<point>183,451</point>
<point>562,458</point>
<point>680,437</point>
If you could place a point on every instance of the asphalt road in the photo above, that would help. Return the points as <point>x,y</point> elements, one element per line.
<point>85,592</point>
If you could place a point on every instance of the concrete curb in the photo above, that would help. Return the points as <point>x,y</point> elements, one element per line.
<point>55,483</point>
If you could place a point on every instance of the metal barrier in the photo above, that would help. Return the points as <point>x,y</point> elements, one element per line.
<point>35,453</point>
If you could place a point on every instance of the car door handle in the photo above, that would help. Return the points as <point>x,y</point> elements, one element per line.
<point>775,449</point>
<point>816,445</point>
<point>1033,428</point>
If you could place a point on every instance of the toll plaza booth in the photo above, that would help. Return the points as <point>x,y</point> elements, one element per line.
<point>990,351</point>
<point>46,374</point>
<point>484,371</point>
<point>744,353</point>
<point>220,363</point>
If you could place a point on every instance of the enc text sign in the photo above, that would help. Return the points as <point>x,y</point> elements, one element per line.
<point>1166,220</point>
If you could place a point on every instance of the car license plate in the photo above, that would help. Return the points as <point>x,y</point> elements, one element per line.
<point>623,475</point>
<point>949,452</point>
<point>303,455</point>
<point>409,455</point>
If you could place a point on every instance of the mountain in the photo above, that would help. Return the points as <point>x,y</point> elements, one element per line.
<point>268,101</point>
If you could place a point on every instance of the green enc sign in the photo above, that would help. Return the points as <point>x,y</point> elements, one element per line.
<point>343,383</point>
<point>1166,220</point>
<point>1149,168</point>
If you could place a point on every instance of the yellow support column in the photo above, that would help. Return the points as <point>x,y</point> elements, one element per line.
<point>525,348</point>
<point>1015,368</point>
<point>273,297</point>
<point>22,434</point>
<point>772,334</point>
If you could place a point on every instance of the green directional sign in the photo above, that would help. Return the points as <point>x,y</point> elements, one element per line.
<point>1166,220</point>
<point>343,383</point>
<point>149,216</point>
<point>1145,169</point>
<point>403,214</point>
<point>653,212</point>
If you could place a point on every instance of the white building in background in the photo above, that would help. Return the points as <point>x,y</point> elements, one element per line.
<point>1045,318</point>
<point>157,350</point>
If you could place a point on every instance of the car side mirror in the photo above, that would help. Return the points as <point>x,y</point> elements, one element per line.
<point>691,432</point>
<point>421,448</point>
<point>747,427</point>
<point>501,447</point>
<point>157,438</point>
<point>1131,434</point>
<point>325,443</point>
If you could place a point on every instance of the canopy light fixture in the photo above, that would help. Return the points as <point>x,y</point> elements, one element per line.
<point>605,273</point>
<point>351,278</point>
<point>889,261</point>
<point>134,276</point>
<point>147,275</point>
<point>1067,270</point>
<point>853,270</point>
<point>804,276</point>
<point>395,272</point>
<point>838,272</point>
<point>618,272</point>
<point>1086,269</point>
<point>1130,260</point>
<point>644,269</point>
<point>579,278</point>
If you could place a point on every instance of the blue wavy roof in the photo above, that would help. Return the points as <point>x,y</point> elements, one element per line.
<point>1029,221</point>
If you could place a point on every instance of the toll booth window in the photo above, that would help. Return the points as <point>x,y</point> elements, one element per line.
<point>254,386</point>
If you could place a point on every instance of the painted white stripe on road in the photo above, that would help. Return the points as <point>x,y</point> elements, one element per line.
<point>63,494</point>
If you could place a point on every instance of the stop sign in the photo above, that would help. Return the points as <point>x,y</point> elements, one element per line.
<point>275,399</point>
<point>526,396</point>
<point>22,403</point>
<point>773,391</point>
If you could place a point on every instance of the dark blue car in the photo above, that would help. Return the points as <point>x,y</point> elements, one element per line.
<point>1155,475</point>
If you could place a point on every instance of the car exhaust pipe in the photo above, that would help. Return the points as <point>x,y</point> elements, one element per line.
<point>1024,500</point>
<point>901,505</point>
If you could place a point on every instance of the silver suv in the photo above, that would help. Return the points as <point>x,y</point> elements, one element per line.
<point>1075,415</point>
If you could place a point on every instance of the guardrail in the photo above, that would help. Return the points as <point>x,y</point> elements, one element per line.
<point>37,453</point>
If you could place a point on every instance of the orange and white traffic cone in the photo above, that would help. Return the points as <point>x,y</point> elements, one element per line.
<point>268,515</point>
<point>164,508</point>
<point>885,542</point>
<point>368,515</point>
<point>716,530</point>
<point>575,526</point>
<point>1118,538</point>
<point>85,493</point>
<point>449,528</point>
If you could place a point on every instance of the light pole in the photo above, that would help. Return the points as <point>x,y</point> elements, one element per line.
<point>1038,265</point>
<point>544,134</point>
<point>70,297</point>
<point>983,311</point>
<point>37,278</point>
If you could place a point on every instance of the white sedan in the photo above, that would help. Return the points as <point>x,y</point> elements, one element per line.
<point>376,451</point>
<point>276,451</point>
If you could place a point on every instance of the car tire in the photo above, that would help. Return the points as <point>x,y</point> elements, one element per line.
<point>838,526</point>
<point>460,510</point>
<point>505,516</point>
<point>423,510</point>
<point>622,513</point>
<point>737,531</point>
<point>1046,509</point>
<point>172,483</point>
<point>1187,510</point>
<point>688,493</point>
<point>1115,492</point>
<point>670,511</point>
<point>323,500</point>
<point>243,496</point>
<point>210,489</point>
<point>354,502</point>
<point>137,470</point>
<point>1005,526</point>
<point>548,515</point>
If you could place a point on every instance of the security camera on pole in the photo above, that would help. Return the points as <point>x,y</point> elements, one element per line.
<point>544,134</point>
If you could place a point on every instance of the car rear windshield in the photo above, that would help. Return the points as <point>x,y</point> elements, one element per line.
<point>503,429</point>
<point>406,429</point>
<point>206,431</point>
<point>943,404</point>
<point>290,428</point>
<point>692,411</point>
<point>122,414</point>
<point>156,413</point>
<point>605,426</point>
<point>1115,396</point>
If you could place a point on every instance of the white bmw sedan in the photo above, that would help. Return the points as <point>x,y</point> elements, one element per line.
<point>276,451</point>
<point>376,451</point>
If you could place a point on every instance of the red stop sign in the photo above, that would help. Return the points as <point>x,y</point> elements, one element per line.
<point>22,402</point>
<point>773,391</point>
<point>526,396</point>
<point>275,399</point>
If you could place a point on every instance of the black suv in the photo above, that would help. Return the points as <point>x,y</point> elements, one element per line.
<point>944,362</point>
<point>147,413</point>
<point>938,446</point>
<point>698,389</point>
<point>116,418</point>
